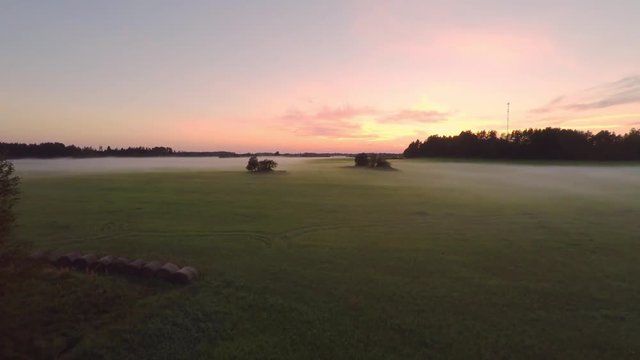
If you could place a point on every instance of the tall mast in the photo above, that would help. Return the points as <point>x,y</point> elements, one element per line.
<point>508,117</point>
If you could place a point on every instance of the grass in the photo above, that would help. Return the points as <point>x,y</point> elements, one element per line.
<point>437,260</point>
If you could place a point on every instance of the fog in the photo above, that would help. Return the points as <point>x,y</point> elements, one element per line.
<point>502,179</point>
<point>68,166</point>
<point>515,179</point>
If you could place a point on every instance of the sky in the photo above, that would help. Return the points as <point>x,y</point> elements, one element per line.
<point>295,76</point>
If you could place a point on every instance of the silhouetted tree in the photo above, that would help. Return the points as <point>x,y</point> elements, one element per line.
<point>267,165</point>
<point>372,161</point>
<point>379,161</point>
<point>253,164</point>
<point>260,166</point>
<point>413,150</point>
<point>631,144</point>
<point>546,144</point>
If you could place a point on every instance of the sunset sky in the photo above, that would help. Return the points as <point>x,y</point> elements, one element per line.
<point>312,75</point>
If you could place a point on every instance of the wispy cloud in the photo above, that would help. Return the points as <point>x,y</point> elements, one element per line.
<point>346,122</point>
<point>549,106</point>
<point>344,112</point>
<point>417,116</point>
<point>338,122</point>
<point>580,121</point>
<point>621,92</point>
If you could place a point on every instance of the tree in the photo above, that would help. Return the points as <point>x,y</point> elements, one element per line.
<point>8,197</point>
<point>252,165</point>
<point>260,166</point>
<point>544,144</point>
<point>362,159</point>
<point>372,161</point>
<point>267,165</point>
<point>379,161</point>
<point>413,149</point>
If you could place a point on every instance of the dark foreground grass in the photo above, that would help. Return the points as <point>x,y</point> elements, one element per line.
<point>437,260</point>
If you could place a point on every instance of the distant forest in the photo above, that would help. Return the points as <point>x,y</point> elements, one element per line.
<point>56,150</point>
<point>538,144</point>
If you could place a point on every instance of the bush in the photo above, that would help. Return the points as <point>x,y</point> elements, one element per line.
<point>260,166</point>
<point>8,197</point>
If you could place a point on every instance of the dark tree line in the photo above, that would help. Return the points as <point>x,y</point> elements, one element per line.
<point>56,149</point>
<point>540,144</point>
<point>52,150</point>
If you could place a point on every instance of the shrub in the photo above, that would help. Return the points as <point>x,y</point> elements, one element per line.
<point>8,197</point>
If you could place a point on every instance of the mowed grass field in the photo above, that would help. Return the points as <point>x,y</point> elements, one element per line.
<point>436,260</point>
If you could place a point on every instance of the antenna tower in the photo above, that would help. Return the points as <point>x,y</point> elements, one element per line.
<point>508,104</point>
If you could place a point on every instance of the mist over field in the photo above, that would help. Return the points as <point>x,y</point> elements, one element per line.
<point>522,178</point>
<point>499,176</point>
<point>67,166</point>
<point>604,181</point>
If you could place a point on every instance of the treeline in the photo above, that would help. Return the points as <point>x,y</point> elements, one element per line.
<point>539,144</point>
<point>55,149</point>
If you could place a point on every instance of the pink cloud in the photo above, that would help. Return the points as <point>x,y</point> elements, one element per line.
<point>344,112</point>
<point>328,114</point>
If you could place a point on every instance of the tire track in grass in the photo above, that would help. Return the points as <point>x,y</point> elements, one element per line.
<point>105,231</point>
<point>123,232</point>
<point>112,230</point>
<point>288,237</point>
<point>260,236</point>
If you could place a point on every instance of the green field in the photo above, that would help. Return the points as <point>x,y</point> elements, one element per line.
<point>325,261</point>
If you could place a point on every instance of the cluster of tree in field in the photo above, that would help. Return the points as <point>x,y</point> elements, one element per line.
<point>541,144</point>
<point>372,160</point>
<point>56,149</point>
<point>255,165</point>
